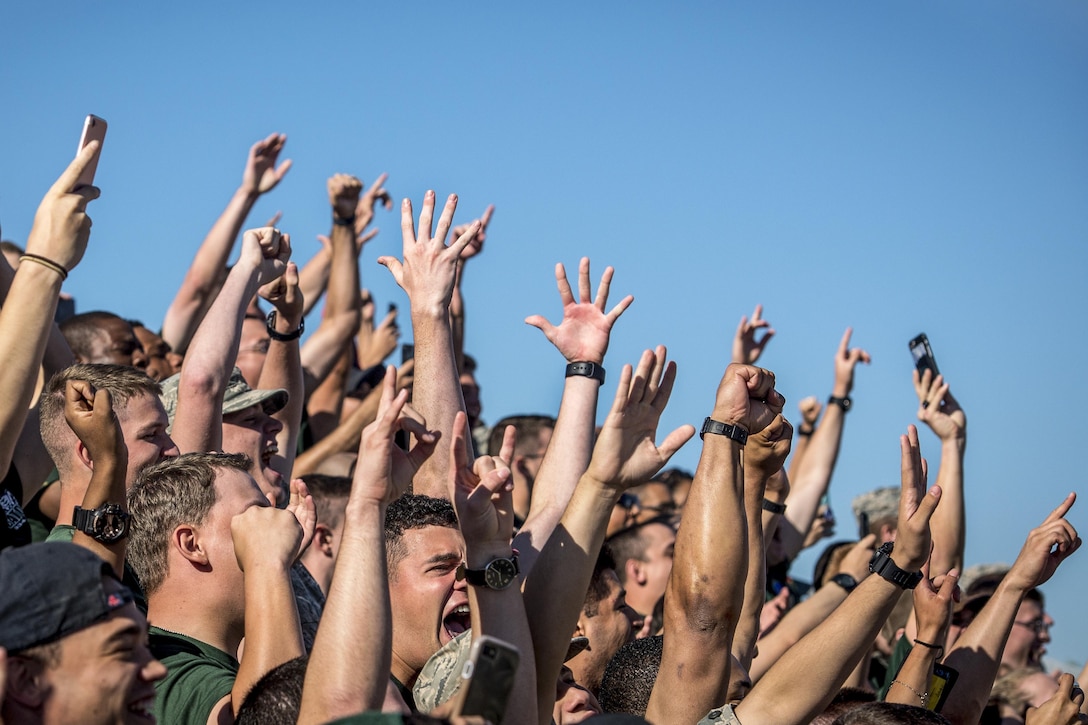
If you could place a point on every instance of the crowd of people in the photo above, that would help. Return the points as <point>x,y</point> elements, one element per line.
<point>218,521</point>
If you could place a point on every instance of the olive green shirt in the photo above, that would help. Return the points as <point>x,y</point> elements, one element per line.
<point>197,677</point>
<point>66,532</point>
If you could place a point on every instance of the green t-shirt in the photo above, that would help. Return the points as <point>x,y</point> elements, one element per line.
<point>197,676</point>
<point>66,532</point>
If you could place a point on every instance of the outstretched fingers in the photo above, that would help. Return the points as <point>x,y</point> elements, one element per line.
<point>603,287</point>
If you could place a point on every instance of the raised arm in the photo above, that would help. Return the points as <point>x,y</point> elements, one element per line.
<point>746,348</point>
<point>944,416</point>
<point>810,482</point>
<point>813,670</point>
<point>343,678</point>
<point>90,415</point>
<point>977,652</point>
<point>582,337</point>
<point>457,300</point>
<point>933,602</point>
<point>198,423</point>
<point>198,289</point>
<point>625,455</point>
<point>704,596</point>
<point>283,366</point>
<point>810,409</point>
<point>427,276</point>
<point>56,244</point>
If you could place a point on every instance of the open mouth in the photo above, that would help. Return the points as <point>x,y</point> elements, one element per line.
<point>457,621</point>
<point>143,709</point>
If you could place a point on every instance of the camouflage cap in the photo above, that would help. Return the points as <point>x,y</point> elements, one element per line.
<point>238,396</point>
<point>440,678</point>
<point>883,503</point>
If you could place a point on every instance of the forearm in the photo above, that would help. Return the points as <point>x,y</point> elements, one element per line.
<point>568,556</point>
<point>501,614</point>
<point>800,446</point>
<point>812,479</point>
<point>436,394</point>
<point>344,438</point>
<point>344,678</point>
<point>950,520</point>
<point>283,369</point>
<point>325,403</point>
<point>313,279</point>
<point>798,622</point>
<point>107,486</point>
<point>25,321</point>
<point>326,345</point>
<point>343,292</point>
<point>273,634</point>
<point>194,296</point>
<point>198,423</point>
<point>976,655</point>
<point>457,318</point>
<point>564,463</point>
<point>911,683</point>
<point>814,669</point>
<point>704,596</point>
<point>747,631</point>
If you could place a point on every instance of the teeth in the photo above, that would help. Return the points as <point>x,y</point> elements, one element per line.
<point>463,609</point>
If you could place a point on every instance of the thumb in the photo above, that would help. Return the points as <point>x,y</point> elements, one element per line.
<point>927,505</point>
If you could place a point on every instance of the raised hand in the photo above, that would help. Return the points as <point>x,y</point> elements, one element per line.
<point>856,561</point>
<point>746,349</point>
<point>266,250</point>
<point>384,471</point>
<point>90,415</point>
<point>625,454</point>
<point>482,494</point>
<point>344,190</point>
<point>265,534</point>
<point>61,225</point>
<point>1047,546</point>
<point>261,174</point>
<point>933,602</point>
<point>1063,708</point>
<point>301,506</point>
<point>583,334</point>
<point>846,360</point>
<point>810,409</point>
<point>368,202</point>
<point>916,506</point>
<point>284,294</point>
<point>380,342</point>
<point>429,268</point>
<point>937,408</point>
<point>477,244</point>
<point>767,449</point>
<point>746,397</point>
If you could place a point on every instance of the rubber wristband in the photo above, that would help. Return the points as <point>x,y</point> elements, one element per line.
<point>938,647</point>
<point>774,507</point>
<point>805,433</point>
<point>46,262</point>
<point>342,222</point>
<point>284,336</point>
<point>586,369</point>
<point>732,432</point>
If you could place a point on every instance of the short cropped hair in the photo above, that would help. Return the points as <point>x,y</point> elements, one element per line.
<point>890,713</point>
<point>408,512</point>
<point>598,589</point>
<point>628,544</point>
<point>330,496</point>
<point>166,495</point>
<point>847,699</point>
<point>277,697</point>
<point>124,383</point>
<point>528,427</point>
<point>672,477</point>
<point>81,330</point>
<point>630,675</point>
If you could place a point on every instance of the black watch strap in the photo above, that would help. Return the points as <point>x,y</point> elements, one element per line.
<point>844,403</point>
<point>586,369</point>
<point>883,566</point>
<point>109,523</point>
<point>845,581</point>
<point>716,427</point>
<point>774,507</point>
<point>284,336</point>
<point>498,574</point>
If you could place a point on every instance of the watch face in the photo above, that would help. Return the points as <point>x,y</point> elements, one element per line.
<point>110,524</point>
<point>500,573</point>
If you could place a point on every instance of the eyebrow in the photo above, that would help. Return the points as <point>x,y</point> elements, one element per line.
<point>439,558</point>
<point>131,629</point>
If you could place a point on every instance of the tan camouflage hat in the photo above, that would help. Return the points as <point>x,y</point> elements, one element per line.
<point>238,396</point>
<point>440,678</point>
<point>883,503</point>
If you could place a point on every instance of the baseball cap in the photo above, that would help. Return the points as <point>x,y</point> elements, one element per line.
<point>51,590</point>
<point>882,503</point>
<point>238,396</point>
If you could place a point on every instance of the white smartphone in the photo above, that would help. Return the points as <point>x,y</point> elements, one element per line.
<point>94,129</point>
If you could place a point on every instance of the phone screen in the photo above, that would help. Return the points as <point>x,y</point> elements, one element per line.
<point>922,354</point>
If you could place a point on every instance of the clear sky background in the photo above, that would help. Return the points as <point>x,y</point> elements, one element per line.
<point>889,167</point>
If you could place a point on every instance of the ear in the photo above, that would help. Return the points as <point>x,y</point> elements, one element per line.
<point>187,542</point>
<point>634,572</point>
<point>84,455</point>
<point>887,532</point>
<point>323,540</point>
<point>26,681</point>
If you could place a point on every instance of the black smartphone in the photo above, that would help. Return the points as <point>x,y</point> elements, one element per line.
<point>488,678</point>
<point>407,352</point>
<point>940,684</point>
<point>863,525</point>
<point>923,355</point>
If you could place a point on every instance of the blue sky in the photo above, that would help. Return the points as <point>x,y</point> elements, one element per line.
<point>893,168</point>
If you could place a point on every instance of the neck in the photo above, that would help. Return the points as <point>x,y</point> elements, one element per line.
<point>189,610</point>
<point>405,675</point>
<point>72,490</point>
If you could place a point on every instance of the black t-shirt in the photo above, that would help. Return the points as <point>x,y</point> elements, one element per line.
<point>14,527</point>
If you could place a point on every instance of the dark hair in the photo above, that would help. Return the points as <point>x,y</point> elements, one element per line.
<point>528,427</point>
<point>598,587</point>
<point>81,330</point>
<point>889,713</point>
<point>673,477</point>
<point>824,562</point>
<point>627,544</point>
<point>330,496</point>
<point>847,699</point>
<point>277,697</point>
<point>412,511</point>
<point>9,246</point>
<point>629,677</point>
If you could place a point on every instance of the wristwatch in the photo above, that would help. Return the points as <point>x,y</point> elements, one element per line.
<point>845,403</point>
<point>498,574</point>
<point>108,523</point>
<point>733,432</point>
<point>883,565</point>
<point>845,581</point>
<point>586,369</point>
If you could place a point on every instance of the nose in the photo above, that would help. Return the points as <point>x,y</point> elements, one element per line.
<point>272,425</point>
<point>154,670</point>
<point>139,358</point>
<point>169,449</point>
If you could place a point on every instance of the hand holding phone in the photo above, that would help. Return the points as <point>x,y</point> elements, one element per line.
<point>487,679</point>
<point>923,355</point>
<point>94,129</point>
